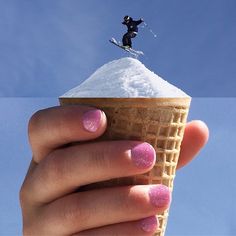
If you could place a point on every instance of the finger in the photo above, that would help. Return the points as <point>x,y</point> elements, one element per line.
<point>23,195</point>
<point>57,126</point>
<point>144,227</point>
<point>64,170</point>
<point>195,137</point>
<point>92,209</point>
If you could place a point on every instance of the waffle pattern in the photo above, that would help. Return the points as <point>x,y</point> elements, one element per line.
<point>160,125</point>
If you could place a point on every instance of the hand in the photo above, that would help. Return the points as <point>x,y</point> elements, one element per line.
<point>51,204</point>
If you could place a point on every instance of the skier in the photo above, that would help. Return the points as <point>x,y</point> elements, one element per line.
<point>132,26</point>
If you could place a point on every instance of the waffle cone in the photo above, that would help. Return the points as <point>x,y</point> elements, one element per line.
<point>158,121</point>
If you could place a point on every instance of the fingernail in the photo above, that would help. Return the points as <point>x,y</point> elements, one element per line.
<point>91,120</point>
<point>149,224</point>
<point>143,155</point>
<point>160,196</point>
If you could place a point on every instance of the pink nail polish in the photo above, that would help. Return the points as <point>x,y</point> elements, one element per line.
<point>91,120</point>
<point>160,196</point>
<point>149,224</point>
<point>143,155</point>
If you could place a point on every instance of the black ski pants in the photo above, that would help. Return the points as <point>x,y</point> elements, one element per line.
<point>127,38</point>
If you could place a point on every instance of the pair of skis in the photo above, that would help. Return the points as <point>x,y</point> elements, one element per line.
<point>132,51</point>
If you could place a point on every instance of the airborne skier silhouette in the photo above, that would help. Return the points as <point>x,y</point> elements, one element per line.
<point>132,31</point>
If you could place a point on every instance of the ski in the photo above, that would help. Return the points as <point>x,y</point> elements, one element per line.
<point>118,45</point>
<point>136,51</point>
<point>122,47</point>
<point>129,50</point>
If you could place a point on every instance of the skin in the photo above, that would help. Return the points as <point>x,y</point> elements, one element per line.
<point>51,204</point>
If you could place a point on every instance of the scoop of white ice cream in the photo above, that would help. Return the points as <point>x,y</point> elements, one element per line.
<point>125,78</point>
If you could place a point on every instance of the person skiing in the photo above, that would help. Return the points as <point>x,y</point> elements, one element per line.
<point>132,32</point>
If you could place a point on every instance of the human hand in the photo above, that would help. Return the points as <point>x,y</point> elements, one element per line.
<point>51,204</point>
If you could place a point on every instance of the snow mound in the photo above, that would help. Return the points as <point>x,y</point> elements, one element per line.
<point>125,78</point>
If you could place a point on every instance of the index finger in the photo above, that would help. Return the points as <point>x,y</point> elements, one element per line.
<point>57,126</point>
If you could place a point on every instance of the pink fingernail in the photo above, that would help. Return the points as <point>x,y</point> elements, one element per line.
<point>143,155</point>
<point>149,224</point>
<point>160,196</point>
<point>91,120</point>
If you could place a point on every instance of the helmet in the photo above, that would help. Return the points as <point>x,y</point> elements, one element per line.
<point>126,18</point>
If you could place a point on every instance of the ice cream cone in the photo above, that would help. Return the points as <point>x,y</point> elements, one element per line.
<point>158,121</point>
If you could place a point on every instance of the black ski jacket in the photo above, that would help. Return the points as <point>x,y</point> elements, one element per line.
<point>132,25</point>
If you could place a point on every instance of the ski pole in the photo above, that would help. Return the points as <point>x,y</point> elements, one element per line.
<point>151,31</point>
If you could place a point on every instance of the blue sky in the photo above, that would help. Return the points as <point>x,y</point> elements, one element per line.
<point>204,196</point>
<point>48,47</point>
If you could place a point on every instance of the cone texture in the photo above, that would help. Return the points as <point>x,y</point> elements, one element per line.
<point>158,121</point>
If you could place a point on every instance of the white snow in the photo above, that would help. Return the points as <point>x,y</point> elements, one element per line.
<point>126,78</point>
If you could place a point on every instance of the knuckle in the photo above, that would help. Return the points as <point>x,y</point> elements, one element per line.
<point>22,195</point>
<point>30,226</point>
<point>75,215</point>
<point>100,159</point>
<point>25,195</point>
<point>34,126</point>
<point>35,119</point>
<point>54,168</point>
<point>72,214</point>
<point>27,229</point>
